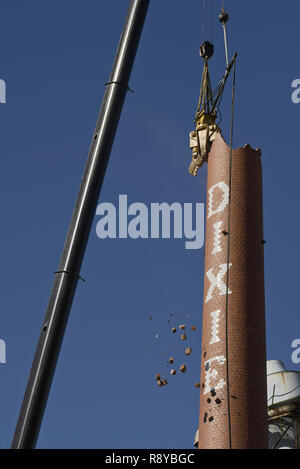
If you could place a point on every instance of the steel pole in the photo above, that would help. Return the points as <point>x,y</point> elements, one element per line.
<point>66,278</point>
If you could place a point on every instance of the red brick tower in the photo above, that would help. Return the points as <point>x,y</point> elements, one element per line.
<point>233,404</point>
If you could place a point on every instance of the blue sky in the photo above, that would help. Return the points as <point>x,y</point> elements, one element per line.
<point>55,58</point>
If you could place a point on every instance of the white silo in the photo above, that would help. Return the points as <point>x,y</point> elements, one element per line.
<point>283,406</point>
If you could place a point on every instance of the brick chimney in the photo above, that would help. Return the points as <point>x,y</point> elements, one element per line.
<point>233,402</point>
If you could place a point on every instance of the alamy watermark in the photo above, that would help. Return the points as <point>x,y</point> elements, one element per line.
<point>296,353</point>
<point>160,220</point>
<point>296,93</point>
<point>2,351</point>
<point>2,92</point>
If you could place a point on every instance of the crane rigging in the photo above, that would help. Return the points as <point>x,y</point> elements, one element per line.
<point>203,136</point>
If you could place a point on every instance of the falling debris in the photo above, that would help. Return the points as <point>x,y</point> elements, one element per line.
<point>178,324</point>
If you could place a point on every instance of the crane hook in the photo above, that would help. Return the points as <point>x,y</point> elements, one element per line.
<point>206,50</point>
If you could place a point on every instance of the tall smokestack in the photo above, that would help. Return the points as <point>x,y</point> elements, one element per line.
<point>233,402</point>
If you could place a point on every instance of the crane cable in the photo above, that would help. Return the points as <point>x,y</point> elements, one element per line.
<point>225,41</point>
<point>228,253</point>
<point>223,18</point>
<point>203,20</point>
<point>212,20</point>
<point>211,14</point>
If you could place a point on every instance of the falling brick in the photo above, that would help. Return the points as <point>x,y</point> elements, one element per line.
<point>183,336</point>
<point>173,372</point>
<point>193,328</point>
<point>188,351</point>
<point>174,330</point>
<point>183,368</point>
<point>171,360</point>
<point>157,377</point>
<point>197,385</point>
<point>182,327</point>
<point>159,383</point>
<point>164,382</point>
